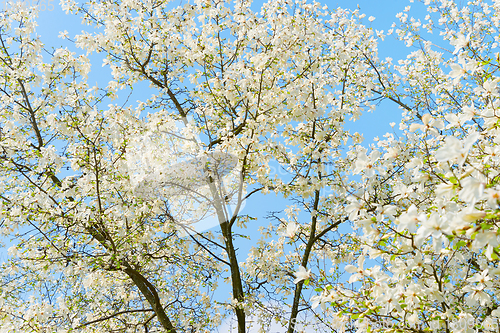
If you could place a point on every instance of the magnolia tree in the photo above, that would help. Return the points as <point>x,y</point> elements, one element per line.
<point>426,207</point>
<point>105,198</point>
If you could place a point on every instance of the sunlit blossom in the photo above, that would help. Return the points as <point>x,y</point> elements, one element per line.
<point>302,274</point>
<point>460,41</point>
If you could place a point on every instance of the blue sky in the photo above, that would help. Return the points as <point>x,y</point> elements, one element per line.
<point>51,22</point>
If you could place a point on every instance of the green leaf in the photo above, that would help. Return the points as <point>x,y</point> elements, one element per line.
<point>485,226</point>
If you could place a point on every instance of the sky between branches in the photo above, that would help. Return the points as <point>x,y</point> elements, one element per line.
<point>379,14</point>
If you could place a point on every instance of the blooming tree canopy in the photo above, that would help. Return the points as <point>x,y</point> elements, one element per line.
<point>102,196</point>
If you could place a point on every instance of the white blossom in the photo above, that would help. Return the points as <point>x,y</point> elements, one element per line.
<point>302,274</point>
